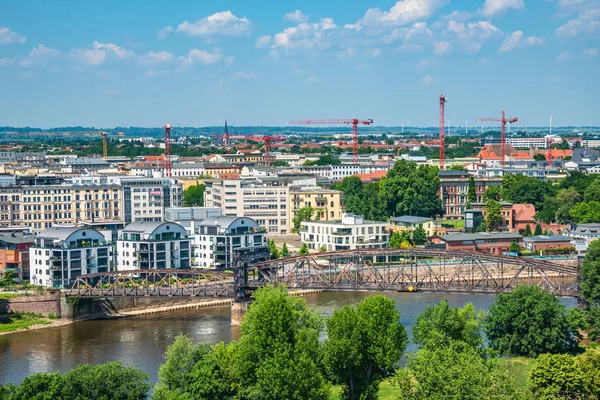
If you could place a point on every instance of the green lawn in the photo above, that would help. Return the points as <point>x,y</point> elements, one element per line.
<point>386,392</point>
<point>16,321</point>
<point>519,367</point>
<point>454,224</point>
<point>9,295</point>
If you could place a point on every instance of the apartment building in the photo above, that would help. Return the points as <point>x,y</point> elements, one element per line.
<point>14,253</point>
<point>221,241</point>
<point>45,206</point>
<point>61,254</point>
<point>454,187</point>
<point>144,198</point>
<point>213,169</point>
<point>487,242</point>
<point>153,245</point>
<point>350,233</point>
<point>10,206</point>
<point>410,223</point>
<point>264,199</point>
<point>327,203</point>
<point>191,217</point>
<point>341,171</point>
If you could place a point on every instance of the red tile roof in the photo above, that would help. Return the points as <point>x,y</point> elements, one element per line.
<point>373,176</point>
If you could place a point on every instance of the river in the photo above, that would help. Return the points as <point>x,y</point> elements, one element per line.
<point>142,340</point>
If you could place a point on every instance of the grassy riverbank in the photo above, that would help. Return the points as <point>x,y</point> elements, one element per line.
<point>19,321</point>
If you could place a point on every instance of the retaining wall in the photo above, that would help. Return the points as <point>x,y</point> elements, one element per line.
<point>45,304</point>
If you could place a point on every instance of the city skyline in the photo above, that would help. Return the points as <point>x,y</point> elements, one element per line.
<point>147,63</point>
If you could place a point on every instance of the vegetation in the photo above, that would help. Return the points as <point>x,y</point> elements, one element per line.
<point>284,250</point>
<point>305,214</point>
<point>14,321</point>
<point>514,247</point>
<point>493,214</point>
<point>273,250</point>
<point>471,194</point>
<point>528,322</point>
<point>590,288</point>
<point>492,193</point>
<point>194,196</point>
<point>520,189</point>
<point>400,240</point>
<point>419,236</point>
<point>303,249</point>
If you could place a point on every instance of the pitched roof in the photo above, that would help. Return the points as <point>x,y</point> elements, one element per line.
<point>373,176</point>
<point>523,212</point>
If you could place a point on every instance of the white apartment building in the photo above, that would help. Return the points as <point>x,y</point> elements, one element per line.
<point>153,245</point>
<point>340,171</point>
<point>264,199</point>
<point>352,232</point>
<point>221,241</point>
<point>191,217</point>
<point>61,254</point>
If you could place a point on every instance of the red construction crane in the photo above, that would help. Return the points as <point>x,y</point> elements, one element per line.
<point>352,121</point>
<point>503,121</point>
<point>267,145</point>
<point>168,150</point>
<point>443,100</point>
<point>549,152</point>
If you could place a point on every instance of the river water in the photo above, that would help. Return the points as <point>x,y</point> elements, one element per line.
<point>142,340</point>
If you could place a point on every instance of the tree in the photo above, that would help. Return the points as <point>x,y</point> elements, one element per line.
<point>527,230</point>
<point>273,250</point>
<point>410,190</point>
<point>539,157</point>
<point>514,247</point>
<point>328,159</point>
<point>566,199</point>
<point>520,189</point>
<point>457,167</point>
<point>471,194</point>
<point>492,193</point>
<point>579,181</point>
<point>529,321</point>
<point>493,214</point>
<point>593,191</point>
<point>322,249</point>
<point>548,211</point>
<point>586,212</point>
<point>277,356</point>
<point>400,240</point>
<point>538,230</point>
<point>419,236</point>
<point>590,275</point>
<point>284,250</point>
<point>363,345</point>
<point>303,249</point>
<point>563,145</point>
<point>442,324</point>
<point>304,214</point>
<point>456,371</point>
<point>194,196</point>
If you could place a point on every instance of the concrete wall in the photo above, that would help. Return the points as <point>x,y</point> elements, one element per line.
<point>46,304</point>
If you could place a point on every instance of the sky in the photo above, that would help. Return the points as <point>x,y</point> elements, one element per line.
<point>106,63</point>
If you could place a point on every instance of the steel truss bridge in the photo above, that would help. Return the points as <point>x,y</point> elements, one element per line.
<point>365,269</point>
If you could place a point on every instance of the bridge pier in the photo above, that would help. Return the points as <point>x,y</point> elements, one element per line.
<point>238,310</point>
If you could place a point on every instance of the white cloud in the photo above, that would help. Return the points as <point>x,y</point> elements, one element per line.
<point>565,55</point>
<point>373,53</point>
<point>304,36</point>
<point>263,41</point>
<point>427,80</point>
<point>5,61</point>
<point>7,36</point>
<point>40,55</point>
<point>416,31</point>
<point>441,48</point>
<point>578,26</point>
<point>484,61</point>
<point>156,57</point>
<point>221,23</point>
<point>118,51</point>
<point>162,33</point>
<point>497,7</point>
<point>244,75</point>
<point>296,16</point>
<point>586,21</point>
<point>347,53</point>
<point>470,36</point>
<point>91,57</point>
<point>196,56</point>
<point>459,15</point>
<point>402,13</point>
<point>589,52</point>
<point>517,40</point>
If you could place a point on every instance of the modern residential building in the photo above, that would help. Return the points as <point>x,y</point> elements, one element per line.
<point>191,217</point>
<point>454,188</point>
<point>45,206</point>
<point>327,203</point>
<point>349,233</point>
<point>410,223</point>
<point>341,171</point>
<point>153,245</point>
<point>491,243</point>
<point>213,169</point>
<point>14,253</point>
<point>220,242</point>
<point>61,254</point>
<point>588,232</point>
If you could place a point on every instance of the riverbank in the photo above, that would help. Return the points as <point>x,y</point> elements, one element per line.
<point>22,322</point>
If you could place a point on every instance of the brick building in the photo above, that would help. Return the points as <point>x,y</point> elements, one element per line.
<point>491,243</point>
<point>454,188</point>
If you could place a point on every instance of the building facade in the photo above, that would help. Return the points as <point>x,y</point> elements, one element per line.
<point>491,243</point>
<point>350,233</point>
<point>326,202</point>
<point>153,245</point>
<point>220,242</point>
<point>10,206</point>
<point>14,253</point>
<point>410,223</point>
<point>454,188</point>
<point>61,254</point>
<point>191,217</point>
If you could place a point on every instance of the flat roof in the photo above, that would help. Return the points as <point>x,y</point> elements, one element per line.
<point>409,219</point>
<point>556,238</point>
<point>17,237</point>
<point>479,236</point>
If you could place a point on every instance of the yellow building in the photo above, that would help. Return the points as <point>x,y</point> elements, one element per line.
<point>329,203</point>
<point>410,223</point>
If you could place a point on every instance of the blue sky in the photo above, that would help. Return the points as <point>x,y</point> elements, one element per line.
<point>148,62</point>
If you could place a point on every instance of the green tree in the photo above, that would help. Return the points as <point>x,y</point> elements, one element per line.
<point>539,157</point>
<point>548,211</point>
<point>303,249</point>
<point>592,192</point>
<point>527,230</point>
<point>520,189</point>
<point>328,159</point>
<point>514,247</point>
<point>586,212</point>
<point>411,190</point>
<point>277,356</point>
<point>579,181</point>
<point>492,193</point>
<point>442,324</point>
<point>419,236</point>
<point>493,214</point>
<point>457,167</point>
<point>590,288</point>
<point>273,250</point>
<point>304,214</point>
<point>566,199</point>
<point>363,345</point>
<point>471,194</point>
<point>556,375</point>
<point>322,249</point>
<point>529,321</point>
<point>538,230</point>
<point>194,196</point>
<point>457,372</point>
<point>563,145</point>
<point>400,240</point>
<point>284,250</point>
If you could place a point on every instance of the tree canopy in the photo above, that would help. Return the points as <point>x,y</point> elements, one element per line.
<point>194,196</point>
<point>520,189</point>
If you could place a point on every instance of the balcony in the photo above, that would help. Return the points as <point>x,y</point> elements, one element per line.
<point>341,233</point>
